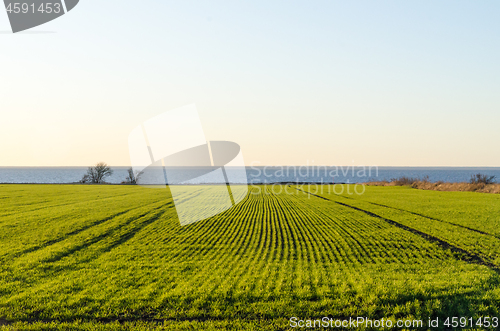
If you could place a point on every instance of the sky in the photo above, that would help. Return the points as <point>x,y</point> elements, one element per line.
<point>387,83</point>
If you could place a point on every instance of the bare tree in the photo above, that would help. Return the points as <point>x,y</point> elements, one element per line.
<point>97,174</point>
<point>132,176</point>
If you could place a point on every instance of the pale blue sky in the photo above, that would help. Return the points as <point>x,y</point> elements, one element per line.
<point>293,82</point>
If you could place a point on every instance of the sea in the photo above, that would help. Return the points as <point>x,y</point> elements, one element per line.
<point>301,174</point>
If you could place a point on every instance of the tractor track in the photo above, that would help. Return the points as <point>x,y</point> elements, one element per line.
<point>459,253</point>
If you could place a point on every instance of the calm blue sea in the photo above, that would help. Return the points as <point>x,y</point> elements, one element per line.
<point>262,174</point>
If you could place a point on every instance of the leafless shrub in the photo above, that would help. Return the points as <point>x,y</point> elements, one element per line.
<point>404,181</point>
<point>482,179</point>
<point>132,177</point>
<point>85,179</point>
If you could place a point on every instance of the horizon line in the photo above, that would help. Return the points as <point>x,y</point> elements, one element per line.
<point>260,166</point>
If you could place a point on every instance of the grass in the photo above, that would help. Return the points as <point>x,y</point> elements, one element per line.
<point>115,258</point>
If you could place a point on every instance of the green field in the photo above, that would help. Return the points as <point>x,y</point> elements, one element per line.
<point>75,257</point>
